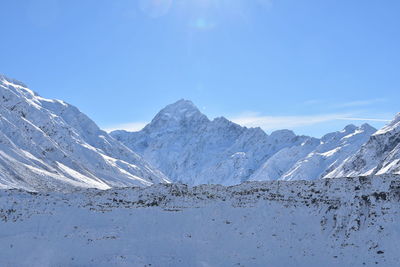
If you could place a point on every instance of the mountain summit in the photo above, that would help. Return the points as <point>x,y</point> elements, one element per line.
<point>182,113</point>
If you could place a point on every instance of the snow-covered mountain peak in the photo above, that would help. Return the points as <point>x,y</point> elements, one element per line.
<point>182,113</point>
<point>182,109</point>
<point>347,131</point>
<point>367,127</point>
<point>350,128</point>
<point>365,130</point>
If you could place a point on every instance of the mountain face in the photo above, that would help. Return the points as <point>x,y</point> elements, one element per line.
<point>380,155</point>
<point>316,158</point>
<point>188,147</point>
<point>50,145</point>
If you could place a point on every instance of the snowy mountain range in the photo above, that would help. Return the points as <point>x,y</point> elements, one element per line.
<point>189,148</point>
<point>50,145</point>
<point>313,160</point>
<point>380,155</point>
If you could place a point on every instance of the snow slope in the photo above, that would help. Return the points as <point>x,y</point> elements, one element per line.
<point>329,222</point>
<point>188,147</point>
<point>50,145</point>
<point>313,160</point>
<point>380,155</point>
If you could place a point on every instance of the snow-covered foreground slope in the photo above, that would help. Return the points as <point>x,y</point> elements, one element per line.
<point>188,147</point>
<point>329,222</point>
<point>380,155</point>
<point>50,145</point>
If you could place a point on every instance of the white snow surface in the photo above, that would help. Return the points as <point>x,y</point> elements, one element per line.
<point>329,222</point>
<point>189,148</point>
<point>50,145</point>
<point>380,155</point>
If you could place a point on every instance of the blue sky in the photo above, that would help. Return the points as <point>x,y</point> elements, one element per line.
<point>309,65</point>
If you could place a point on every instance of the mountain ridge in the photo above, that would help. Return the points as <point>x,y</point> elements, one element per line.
<point>242,153</point>
<point>380,155</point>
<point>50,145</point>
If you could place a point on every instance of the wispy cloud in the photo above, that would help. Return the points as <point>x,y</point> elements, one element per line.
<point>253,119</point>
<point>362,119</point>
<point>130,126</point>
<point>347,104</point>
<point>360,103</point>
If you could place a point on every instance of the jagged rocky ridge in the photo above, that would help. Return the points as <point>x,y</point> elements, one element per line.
<point>314,160</point>
<point>380,155</point>
<point>329,222</point>
<point>188,147</point>
<point>50,145</point>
